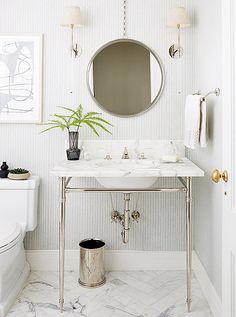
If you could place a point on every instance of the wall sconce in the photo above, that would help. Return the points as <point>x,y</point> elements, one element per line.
<point>177,18</point>
<point>72,18</point>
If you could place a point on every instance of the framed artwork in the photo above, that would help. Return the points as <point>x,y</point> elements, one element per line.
<point>21,78</point>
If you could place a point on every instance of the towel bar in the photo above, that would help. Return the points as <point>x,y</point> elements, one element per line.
<point>214,92</point>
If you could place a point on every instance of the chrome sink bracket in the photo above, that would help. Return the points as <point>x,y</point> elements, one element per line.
<point>62,181</point>
<point>183,182</point>
<point>189,244</point>
<point>187,189</point>
<point>67,181</point>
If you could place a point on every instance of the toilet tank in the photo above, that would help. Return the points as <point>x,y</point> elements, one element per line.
<point>19,201</point>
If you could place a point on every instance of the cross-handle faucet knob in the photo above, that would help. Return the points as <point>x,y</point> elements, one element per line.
<point>125,155</point>
<point>107,157</point>
<point>142,156</point>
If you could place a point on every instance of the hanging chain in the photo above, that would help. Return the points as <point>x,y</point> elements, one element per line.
<point>124,18</point>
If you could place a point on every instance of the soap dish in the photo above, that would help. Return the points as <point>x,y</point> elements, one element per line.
<point>170,159</point>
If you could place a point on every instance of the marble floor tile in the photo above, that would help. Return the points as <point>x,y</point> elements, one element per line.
<point>126,294</point>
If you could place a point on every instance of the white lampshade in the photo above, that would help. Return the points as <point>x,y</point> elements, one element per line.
<point>178,16</point>
<point>72,16</point>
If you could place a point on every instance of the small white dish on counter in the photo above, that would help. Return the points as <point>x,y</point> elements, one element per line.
<point>170,159</point>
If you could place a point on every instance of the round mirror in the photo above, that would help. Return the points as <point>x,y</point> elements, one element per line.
<point>125,77</point>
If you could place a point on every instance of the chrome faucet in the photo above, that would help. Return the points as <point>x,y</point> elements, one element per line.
<point>107,157</point>
<point>125,155</point>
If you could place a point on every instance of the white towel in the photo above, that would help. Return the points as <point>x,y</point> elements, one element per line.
<point>195,122</point>
<point>203,125</point>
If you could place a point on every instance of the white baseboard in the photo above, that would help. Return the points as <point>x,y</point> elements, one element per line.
<point>129,260</point>
<point>115,260</point>
<point>207,288</point>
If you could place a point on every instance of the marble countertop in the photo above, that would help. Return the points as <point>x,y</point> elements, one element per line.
<point>126,168</point>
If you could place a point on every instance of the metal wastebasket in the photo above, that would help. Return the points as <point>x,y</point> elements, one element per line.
<point>92,267</point>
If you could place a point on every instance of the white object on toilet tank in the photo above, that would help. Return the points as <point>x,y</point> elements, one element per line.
<point>19,199</point>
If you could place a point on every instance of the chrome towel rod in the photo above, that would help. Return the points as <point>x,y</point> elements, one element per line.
<point>214,92</point>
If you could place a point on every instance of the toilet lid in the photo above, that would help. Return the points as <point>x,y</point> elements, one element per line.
<point>9,231</point>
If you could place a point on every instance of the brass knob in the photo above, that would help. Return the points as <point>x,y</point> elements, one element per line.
<point>216,176</point>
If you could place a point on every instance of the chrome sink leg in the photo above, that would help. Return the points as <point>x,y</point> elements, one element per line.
<point>189,241</point>
<point>62,241</point>
<point>125,232</point>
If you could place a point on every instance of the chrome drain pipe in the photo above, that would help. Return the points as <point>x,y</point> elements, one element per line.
<point>125,232</point>
<point>125,218</point>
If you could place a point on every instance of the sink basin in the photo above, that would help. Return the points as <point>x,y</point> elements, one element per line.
<point>127,183</point>
<point>133,174</point>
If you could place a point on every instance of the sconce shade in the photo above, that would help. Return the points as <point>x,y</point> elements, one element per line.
<point>178,16</point>
<point>72,16</point>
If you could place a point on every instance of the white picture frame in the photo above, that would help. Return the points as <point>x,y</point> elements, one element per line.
<point>21,78</point>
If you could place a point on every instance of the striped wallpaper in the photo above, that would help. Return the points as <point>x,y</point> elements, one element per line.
<point>162,224</point>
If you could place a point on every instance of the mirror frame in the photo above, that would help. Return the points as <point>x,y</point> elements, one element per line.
<point>161,70</point>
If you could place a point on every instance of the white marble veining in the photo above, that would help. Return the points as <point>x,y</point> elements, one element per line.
<point>93,164</point>
<point>136,294</point>
<point>152,149</point>
<point>126,168</point>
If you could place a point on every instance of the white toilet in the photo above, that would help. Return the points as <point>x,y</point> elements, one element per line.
<point>18,214</point>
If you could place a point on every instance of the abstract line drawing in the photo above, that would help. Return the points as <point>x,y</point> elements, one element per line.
<point>20,78</point>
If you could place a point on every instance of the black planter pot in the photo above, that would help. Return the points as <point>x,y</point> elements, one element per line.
<point>73,153</point>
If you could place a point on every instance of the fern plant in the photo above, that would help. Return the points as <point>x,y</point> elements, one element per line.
<point>77,119</point>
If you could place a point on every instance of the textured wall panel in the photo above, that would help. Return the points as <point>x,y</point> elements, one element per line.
<point>162,225</point>
<point>208,207</point>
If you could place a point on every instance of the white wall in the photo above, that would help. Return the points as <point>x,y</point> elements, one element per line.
<point>162,224</point>
<point>208,207</point>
